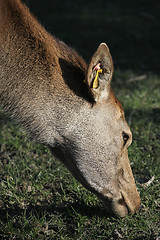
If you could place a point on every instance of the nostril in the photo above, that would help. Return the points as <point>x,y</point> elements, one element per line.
<point>121,201</point>
<point>126,205</point>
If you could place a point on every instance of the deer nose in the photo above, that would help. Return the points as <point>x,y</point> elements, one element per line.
<point>131,206</point>
<point>121,207</point>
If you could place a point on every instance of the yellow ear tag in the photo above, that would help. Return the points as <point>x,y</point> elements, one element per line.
<point>85,80</point>
<point>96,82</point>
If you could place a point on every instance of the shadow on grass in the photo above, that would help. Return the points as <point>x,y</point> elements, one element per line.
<point>53,215</point>
<point>4,118</point>
<point>65,209</point>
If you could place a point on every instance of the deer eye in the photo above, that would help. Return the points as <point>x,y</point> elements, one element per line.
<point>125,138</point>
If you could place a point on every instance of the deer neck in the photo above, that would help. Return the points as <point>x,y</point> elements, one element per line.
<point>36,72</point>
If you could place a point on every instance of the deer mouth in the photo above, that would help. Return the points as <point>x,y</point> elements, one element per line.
<point>117,208</point>
<point>132,203</point>
<point>125,204</point>
<point>121,207</point>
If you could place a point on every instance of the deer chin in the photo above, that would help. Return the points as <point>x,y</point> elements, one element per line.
<point>117,208</point>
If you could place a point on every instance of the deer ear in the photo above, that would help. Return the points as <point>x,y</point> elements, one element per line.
<point>100,72</point>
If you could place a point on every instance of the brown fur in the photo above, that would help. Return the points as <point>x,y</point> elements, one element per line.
<point>47,87</point>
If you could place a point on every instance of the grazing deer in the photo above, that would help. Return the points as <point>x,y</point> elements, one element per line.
<point>67,105</point>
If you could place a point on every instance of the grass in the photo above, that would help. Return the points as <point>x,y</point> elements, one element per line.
<point>39,199</point>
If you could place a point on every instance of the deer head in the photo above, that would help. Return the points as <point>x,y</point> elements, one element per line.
<point>96,139</point>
